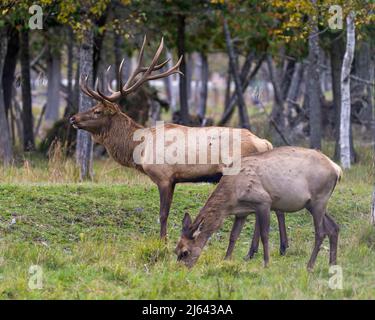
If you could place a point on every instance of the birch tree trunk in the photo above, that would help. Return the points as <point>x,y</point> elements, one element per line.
<point>84,142</point>
<point>345,155</point>
<point>6,152</point>
<point>373,208</point>
<point>337,51</point>
<point>244,117</point>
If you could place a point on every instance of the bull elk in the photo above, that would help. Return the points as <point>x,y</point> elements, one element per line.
<point>287,179</point>
<point>115,131</point>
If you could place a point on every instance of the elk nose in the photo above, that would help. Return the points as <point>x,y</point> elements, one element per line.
<point>72,120</point>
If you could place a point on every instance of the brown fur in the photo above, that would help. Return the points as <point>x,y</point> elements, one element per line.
<point>285,179</point>
<point>114,129</point>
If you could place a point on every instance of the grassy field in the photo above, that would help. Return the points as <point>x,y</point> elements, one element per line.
<point>100,240</point>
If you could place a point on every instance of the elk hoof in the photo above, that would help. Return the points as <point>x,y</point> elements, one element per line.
<point>251,253</point>
<point>249,256</point>
<point>283,250</point>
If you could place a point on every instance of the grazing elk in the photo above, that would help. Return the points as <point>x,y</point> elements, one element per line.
<point>115,131</point>
<point>287,179</point>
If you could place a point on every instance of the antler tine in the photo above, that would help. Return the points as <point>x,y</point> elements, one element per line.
<point>130,85</point>
<point>158,67</point>
<point>82,86</point>
<point>98,91</point>
<point>156,57</point>
<point>140,59</point>
<point>148,71</point>
<point>169,72</point>
<point>96,85</point>
<point>109,88</point>
<point>138,69</point>
<point>88,91</point>
<point>119,76</point>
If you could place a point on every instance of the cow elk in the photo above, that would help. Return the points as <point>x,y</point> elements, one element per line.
<point>287,179</point>
<point>115,131</point>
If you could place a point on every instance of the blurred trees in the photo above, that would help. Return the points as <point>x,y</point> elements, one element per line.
<point>284,50</point>
<point>6,154</point>
<point>345,92</point>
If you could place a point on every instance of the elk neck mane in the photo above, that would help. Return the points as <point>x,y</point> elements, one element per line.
<point>213,212</point>
<point>118,139</point>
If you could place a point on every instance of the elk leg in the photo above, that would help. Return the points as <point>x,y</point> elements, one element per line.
<point>166,195</point>
<point>282,231</point>
<point>318,216</point>
<point>263,216</point>
<point>332,229</point>
<point>236,230</point>
<point>254,242</point>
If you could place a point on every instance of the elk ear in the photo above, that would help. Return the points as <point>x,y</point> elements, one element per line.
<point>198,230</point>
<point>186,223</point>
<point>111,109</point>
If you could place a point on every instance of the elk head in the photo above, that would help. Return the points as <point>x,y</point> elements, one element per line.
<point>99,116</point>
<point>189,247</point>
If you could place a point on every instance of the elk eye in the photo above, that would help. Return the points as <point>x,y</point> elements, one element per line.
<point>97,112</point>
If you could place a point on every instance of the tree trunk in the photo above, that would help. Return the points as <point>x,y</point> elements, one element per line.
<point>244,117</point>
<point>184,110</point>
<point>84,142</point>
<point>345,93</point>
<point>278,114</point>
<point>10,67</point>
<point>287,78</point>
<point>189,77</point>
<point>233,99</point>
<point>313,90</point>
<point>197,80</point>
<point>168,82</point>
<point>69,110</point>
<point>204,86</point>
<point>27,115</point>
<point>336,54</point>
<point>53,88</point>
<point>6,152</point>
<point>228,88</point>
<point>373,208</point>
<point>294,90</point>
<point>76,90</point>
<point>337,51</point>
<point>98,41</point>
<point>361,91</point>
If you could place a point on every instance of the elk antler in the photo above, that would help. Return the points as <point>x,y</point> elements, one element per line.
<point>132,84</point>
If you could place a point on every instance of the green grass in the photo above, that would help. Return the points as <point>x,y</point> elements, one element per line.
<point>100,240</point>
